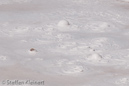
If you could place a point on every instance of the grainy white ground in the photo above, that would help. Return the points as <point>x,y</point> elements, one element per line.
<point>65,42</point>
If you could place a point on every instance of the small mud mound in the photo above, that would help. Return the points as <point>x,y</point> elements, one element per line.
<point>32,51</point>
<point>94,57</point>
<point>63,23</point>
